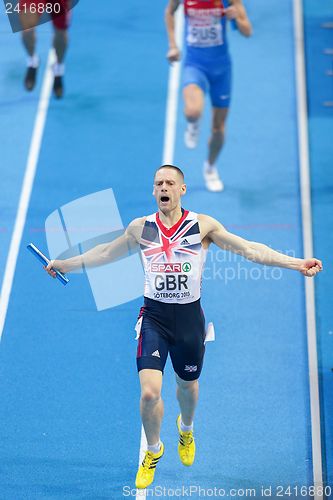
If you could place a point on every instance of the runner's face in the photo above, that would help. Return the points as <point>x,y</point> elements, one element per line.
<point>168,189</point>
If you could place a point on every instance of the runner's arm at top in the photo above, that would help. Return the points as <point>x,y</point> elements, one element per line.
<point>101,254</point>
<point>257,252</point>
<point>237,11</point>
<point>173,53</point>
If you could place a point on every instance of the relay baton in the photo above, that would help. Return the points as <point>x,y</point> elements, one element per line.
<point>44,260</point>
<point>233,21</point>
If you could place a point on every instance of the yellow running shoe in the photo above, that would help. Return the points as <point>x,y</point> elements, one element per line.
<point>186,445</point>
<point>146,472</point>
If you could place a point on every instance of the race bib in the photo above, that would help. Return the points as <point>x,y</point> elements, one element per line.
<point>204,26</point>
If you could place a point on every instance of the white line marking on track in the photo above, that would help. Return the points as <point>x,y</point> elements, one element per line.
<point>168,150</point>
<point>27,185</point>
<point>307,243</point>
<point>173,91</point>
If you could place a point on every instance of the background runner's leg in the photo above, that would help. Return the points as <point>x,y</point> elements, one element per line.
<point>193,102</point>
<point>60,43</point>
<point>29,40</point>
<point>216,141</point>
<point>28,21</point>
<point>193,108</point>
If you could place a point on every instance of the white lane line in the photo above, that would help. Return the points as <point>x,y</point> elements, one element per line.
<point>168,151</point>
<point>307,243</point>
<point>27,185</point>
<point>173,92</point>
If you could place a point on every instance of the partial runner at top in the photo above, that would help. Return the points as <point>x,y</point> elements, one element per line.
<point>207,68</point>
<point>25,15</point>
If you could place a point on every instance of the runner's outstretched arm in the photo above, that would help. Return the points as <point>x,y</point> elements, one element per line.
<point>256,252</point>
<point>101,254</point>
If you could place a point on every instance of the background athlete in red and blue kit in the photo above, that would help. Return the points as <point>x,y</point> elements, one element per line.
<point>59,12</point>
<point>207,68</point>
<point>173,243</point>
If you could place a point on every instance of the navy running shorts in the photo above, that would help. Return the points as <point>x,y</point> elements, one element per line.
<point>178,329</point>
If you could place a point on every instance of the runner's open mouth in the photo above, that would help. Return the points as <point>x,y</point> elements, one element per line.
<point>165,198</point>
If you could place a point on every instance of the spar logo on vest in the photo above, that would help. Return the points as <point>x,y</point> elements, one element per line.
<point>173,279</point>
<point>204,26</point>
<point>170,267</point>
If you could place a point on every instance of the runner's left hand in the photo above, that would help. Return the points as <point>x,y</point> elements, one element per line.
<point>310,267</point>
<point>231,12</point>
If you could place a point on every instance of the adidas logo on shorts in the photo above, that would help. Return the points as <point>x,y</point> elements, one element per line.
<point>156,353</point>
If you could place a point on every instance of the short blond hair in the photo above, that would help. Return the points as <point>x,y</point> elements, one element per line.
<point>180,172</point>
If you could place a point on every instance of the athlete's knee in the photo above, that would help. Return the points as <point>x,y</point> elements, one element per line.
<point>29,32</point>
<point>192,112</point>
<point>28,20</point>
<point>29,35</point>
<point>60,35</point>
<point>219,121</point>
<point>150,395</point>
<point>187,385</point>
<point>193,102</point>
<point>218,129</point>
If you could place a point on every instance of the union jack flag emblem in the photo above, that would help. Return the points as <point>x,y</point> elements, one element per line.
<point>168,249</point>
<point>190,368</point>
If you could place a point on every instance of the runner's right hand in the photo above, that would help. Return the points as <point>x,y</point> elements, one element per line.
<point>173,54</point>
<point>54,264</point>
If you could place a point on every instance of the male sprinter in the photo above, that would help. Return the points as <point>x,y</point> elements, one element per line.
<point>173,243</point>
<point>59,11</point>
<point>207,67</point>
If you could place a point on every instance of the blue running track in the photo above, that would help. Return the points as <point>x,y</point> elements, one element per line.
<point>319,39</point>
<point>69,419</point>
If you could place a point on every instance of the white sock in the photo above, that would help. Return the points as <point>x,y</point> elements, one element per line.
<point>208,167</point>
<point>58,69</point>
<point>33,61</point>
<point>193,126</point>
<point>154,448</point>
<point>185,428</point>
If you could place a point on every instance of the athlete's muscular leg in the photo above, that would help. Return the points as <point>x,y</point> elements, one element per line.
<point>219,116</point>
<point>194,102</point>
<point>28,22</point>
<point>151,404</point>
<point>60,43</point>
<point>29,41</point>
<point>187,395</point>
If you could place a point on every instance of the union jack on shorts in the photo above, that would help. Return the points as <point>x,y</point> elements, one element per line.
<point>190,368</point>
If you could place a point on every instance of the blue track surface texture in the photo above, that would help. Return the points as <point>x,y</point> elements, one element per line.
<point>318,39</point>
<point>69,420</point>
